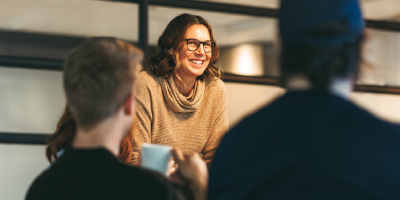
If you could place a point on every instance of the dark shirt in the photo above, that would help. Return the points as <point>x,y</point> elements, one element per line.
<point>98,174</point>
<point>308,145</point>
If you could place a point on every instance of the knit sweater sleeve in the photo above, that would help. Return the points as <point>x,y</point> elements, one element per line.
<point>141,129</point>
<point>221,123</point>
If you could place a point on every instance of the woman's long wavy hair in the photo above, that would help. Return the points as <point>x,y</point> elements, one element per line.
<point>162,64</point>
<point>65,133</point>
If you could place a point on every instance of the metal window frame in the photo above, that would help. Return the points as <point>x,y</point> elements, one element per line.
<point>56,64</point>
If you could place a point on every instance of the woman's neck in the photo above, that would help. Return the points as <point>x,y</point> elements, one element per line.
<point>185,86</point>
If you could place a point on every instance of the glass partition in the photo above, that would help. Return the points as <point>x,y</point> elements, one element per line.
<point>383,10</point>
<point>381,58</point>
<point>50,29</point>
<point>248,47</point>
<point>31,101</point>
<point>74,18</point>
<point>253,3</point>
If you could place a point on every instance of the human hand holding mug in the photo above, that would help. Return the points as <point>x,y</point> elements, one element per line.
<point>192,170</point>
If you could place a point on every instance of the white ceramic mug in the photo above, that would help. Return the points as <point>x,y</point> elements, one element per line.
<point>156,157</point>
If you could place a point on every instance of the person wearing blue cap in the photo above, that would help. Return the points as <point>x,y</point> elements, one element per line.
<point>312,143</point>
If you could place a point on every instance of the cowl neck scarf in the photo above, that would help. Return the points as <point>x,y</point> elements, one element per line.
<point>178,102</point>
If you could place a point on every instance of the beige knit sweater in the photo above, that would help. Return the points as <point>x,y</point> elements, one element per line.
<point>193,124</point>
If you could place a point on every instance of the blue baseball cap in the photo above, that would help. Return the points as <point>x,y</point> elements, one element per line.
<point>320,22</point>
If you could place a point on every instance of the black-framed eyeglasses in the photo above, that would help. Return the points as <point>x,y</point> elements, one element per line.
<point>194,44</point>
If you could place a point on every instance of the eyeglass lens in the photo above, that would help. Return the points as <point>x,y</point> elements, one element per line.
<point>193,45</point>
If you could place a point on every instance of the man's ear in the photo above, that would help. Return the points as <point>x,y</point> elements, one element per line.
<point>170,51</point>
<point>128,104</point>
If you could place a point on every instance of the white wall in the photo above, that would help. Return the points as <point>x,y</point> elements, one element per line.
<point>31,101</point>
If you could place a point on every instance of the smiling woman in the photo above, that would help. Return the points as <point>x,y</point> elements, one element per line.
<point>181,100</point>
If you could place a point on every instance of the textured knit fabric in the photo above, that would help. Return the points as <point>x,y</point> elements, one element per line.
<point>98,174</point>
<point>193,124</point>
<point>308,145</point>
<point>176,101</point>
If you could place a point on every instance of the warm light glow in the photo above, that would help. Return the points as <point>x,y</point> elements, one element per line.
<point>248,60</point>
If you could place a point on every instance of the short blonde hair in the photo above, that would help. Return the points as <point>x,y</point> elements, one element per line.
<point>98,78</point>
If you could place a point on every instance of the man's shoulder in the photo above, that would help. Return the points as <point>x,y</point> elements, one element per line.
<point>144,176</point>
<point>364,119</point>
<point>34,191</point>
<point>121,180</point>
<point>339,115</point>
<point>150,184</point>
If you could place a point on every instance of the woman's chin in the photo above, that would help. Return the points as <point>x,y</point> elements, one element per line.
<point>195,73</point>
<point>192,72</point>
<point>198,74</point>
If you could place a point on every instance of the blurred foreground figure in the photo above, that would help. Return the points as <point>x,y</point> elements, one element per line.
<point>312,143</point>
<point>99,79</point>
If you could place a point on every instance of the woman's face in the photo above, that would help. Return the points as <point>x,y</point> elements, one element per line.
<point>193,63</point>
